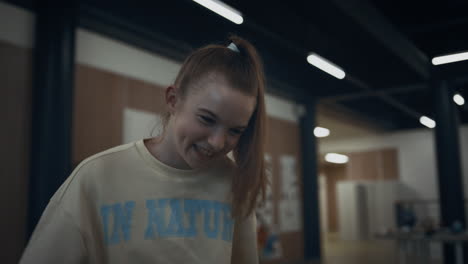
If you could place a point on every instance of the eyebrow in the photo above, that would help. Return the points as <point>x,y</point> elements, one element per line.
<point>216,117</point>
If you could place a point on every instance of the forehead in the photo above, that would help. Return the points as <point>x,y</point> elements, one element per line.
<point>216,95</point>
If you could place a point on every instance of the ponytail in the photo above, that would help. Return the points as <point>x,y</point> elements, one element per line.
<point>239,63</point>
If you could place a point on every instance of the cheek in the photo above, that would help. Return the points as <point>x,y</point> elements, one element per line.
<point>191,131</point>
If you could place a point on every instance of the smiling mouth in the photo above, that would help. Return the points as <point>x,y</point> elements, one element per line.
<point>203,151</point>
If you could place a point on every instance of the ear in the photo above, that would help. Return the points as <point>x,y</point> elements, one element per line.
<point>172,98</point>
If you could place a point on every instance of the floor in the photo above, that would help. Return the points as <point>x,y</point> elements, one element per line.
<point>336,251</point>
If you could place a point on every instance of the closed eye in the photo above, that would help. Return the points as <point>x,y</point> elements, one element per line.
<point>206,120</point>
<point>236,132</point>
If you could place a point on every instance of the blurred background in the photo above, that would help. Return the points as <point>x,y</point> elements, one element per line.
<point>368,142</point>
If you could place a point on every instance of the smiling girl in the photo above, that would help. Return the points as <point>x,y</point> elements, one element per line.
<point>177,197</point>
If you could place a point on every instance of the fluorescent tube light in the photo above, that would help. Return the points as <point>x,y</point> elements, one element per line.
<point>321,132</point>
<point>325,66</point>
<point>427,121</point>
<point>450,58</point>
<point>458,99</point>
<point>222,9</point>
<point>336,158</point>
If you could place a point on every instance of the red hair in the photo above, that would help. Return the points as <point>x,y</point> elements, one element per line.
<point>243,70</point>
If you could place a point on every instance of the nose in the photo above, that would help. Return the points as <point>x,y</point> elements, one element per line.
<point>217,140</point>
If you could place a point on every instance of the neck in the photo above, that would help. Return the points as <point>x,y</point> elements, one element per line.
<point>163,149</point>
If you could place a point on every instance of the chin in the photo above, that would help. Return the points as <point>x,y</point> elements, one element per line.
<point>198,164</point>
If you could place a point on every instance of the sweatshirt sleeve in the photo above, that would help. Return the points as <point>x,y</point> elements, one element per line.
<point>244,243</point>
<point>56,239</point>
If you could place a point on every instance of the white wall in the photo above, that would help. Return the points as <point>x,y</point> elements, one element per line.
<point>16,25</point>
<point>416,158</point>
<point>353,211</point>
<point>108,54</point>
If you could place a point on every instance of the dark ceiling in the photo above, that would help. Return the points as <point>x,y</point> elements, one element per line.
<point>385,47</point>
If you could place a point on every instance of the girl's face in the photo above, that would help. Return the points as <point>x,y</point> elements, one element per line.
<point>208,122</point>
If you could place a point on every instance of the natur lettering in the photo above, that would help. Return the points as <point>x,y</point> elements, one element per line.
<point>217,222</point>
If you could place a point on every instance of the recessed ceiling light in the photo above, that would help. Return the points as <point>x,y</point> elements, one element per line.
<point>458,99</point>
<point>427,121</point>
<point>325,66</point>
<point>336,158</point>
<point>222,9</point>
<point>321,132</point>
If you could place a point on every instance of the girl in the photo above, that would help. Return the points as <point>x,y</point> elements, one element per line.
<point>175,198</point>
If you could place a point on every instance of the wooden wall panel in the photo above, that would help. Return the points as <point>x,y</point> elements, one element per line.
<point>99,102</point>
<point>100,99</point>
<point>271,149</point>
<point>362,166</point>
<point>333,174</point>
<point>389,166</point>
<point>15,117</point>
<point>370,165</point>
<point>284,139</point>
<point>379,164</point>
<point>146,96</point>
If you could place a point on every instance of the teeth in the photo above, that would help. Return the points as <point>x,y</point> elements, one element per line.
<point>204,151</point>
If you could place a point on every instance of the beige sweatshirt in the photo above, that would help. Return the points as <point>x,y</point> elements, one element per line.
<point>124,206</point>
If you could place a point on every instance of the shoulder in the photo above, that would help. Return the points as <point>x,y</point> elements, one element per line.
<point>91,169</point>
<point>110,159</point>
<point>111,153</point>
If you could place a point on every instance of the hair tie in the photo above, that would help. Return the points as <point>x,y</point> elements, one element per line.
<point>233,47</point>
